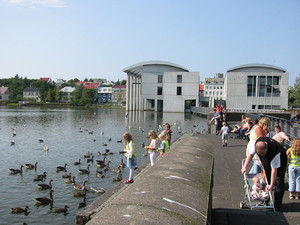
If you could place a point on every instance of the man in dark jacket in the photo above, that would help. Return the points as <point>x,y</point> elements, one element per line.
<point>274,160</point>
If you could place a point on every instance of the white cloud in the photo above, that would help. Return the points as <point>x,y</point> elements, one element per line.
<point>36,3</point>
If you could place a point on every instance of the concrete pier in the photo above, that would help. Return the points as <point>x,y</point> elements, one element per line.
<point>197,182</point>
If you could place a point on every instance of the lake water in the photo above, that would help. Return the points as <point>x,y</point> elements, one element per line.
<point>69,134</point>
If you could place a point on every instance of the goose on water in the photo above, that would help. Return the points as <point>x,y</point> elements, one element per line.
<point>119,178</point>
<point>80,194</point>
<point>77,163</point>
<point>122,164</point>
<point>79,187</point>
<point>100,174</point>
<point>82,204</point>
<point>61,168</point>
<point>117,169</point>
<point>31,166</point>
<point>84,171</point>
<point>45,200</point>
<point>40,177</point>
<point>20,210</point>
<point>70,181</point>
<point>16,171</point>
<point>45,186</point>
<point>106,167</point>
<point>61,210</point>
<point>90,159</point>
<point>67,175</point>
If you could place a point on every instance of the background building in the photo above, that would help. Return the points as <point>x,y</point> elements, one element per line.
<point>161,86</point>
<point>256,86</point>
<point>66,94</point>
<point>4,93</point>
<point>119,95</point>
<point>213,89</point>
<point>31,94</point>
<point>104,95</point>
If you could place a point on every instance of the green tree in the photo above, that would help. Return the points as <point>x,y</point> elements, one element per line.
<point>57,96</point>
<point>294,93</point>
<point>49,96</point>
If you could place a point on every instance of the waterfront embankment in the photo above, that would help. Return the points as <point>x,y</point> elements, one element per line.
<point>174,191</point>
<point>198,182</point>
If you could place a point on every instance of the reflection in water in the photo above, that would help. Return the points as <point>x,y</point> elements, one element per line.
<point>69,134</point>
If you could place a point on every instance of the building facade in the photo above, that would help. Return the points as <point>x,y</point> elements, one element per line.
<point>256,86</point>
<point>104,95</point>
<point>161,86</point>
<point>214,89</point>
<point>119,95</point>
<point>66,94</point>
<point>31,94</point>
<point>4,93</point>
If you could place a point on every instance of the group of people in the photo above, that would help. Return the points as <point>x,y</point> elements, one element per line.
<point>296,118</point>
<point>159,144</point>
<point>265,150</point>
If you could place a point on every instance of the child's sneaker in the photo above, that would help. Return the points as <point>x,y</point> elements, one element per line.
<point>128,182</point>
<point>225,144</point>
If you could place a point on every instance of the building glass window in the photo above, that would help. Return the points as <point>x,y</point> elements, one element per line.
<point>268,86</point>
<point>179,78</point>
<point>179,90</point>
<point>251,86</point>
<point>159,90</point>
<point>159,79</point>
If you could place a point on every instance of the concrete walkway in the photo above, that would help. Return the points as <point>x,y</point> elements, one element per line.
<point>228,191</point>
<point>177,190</point>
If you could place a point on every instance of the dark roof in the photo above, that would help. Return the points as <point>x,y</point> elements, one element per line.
<point>31,89</point>
<point>256,65</point>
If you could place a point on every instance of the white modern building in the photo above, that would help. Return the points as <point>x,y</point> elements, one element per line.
<point>161,86</point>
<point>256,86</point>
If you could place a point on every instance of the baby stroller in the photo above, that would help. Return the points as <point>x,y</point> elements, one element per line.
<point>256,193</point>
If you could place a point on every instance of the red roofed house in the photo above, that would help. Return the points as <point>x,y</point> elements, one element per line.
<point>47,79</point>
<point>89,85</point>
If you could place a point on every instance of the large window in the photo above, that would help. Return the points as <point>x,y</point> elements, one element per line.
<point>179,78</point>
<point>269,86</point>
<point>159,79</point>
<point>159,90</point>
<point>251,86</point>
<point>179,90</point>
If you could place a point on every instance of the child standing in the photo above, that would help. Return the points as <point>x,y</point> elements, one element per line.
<point>224,131</point>
<point>130,154</point>
<point>153,147</point>
<point>293,155</point>
<point>164,147</point>
<point>168,132</point>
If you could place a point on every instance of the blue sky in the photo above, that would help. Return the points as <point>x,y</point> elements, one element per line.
<point>98,39</point>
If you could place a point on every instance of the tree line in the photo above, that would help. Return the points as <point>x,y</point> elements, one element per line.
<point>50,91</point>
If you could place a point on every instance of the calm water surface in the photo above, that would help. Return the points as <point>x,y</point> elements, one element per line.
<point>60,130</point>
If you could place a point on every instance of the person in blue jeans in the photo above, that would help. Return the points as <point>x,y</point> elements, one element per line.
<point>130,154</point>
<point>293,155</point>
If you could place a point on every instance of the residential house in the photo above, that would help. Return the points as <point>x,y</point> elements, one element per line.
<point>66,94</point>
<point>4,93</point>
<point>31,94</point>
<point>119,95</point>
<point>104,95</point>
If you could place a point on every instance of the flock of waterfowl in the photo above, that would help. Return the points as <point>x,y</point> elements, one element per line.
<point>89,164</point>
<point>80,190</point>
